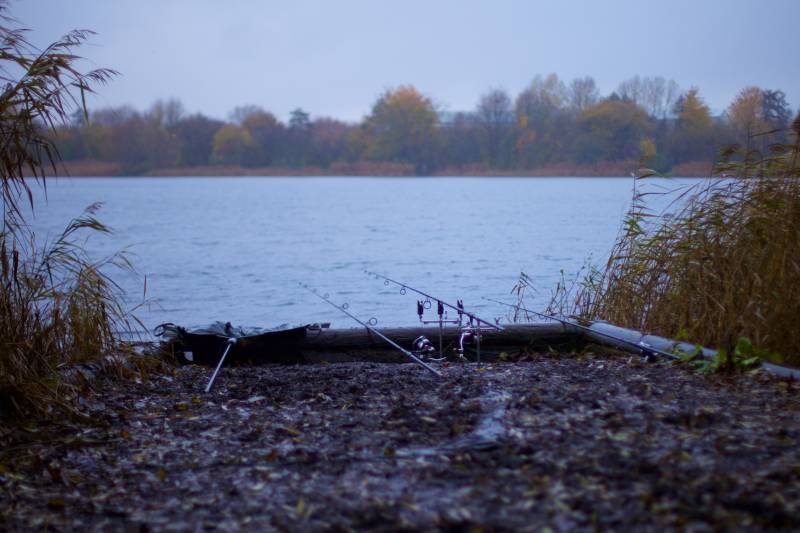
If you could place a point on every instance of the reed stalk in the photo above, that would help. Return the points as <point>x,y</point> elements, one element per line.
<point>723,264</point>
<point>57,306</point>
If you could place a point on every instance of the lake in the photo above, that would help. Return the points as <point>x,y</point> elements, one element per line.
<point>234,249</point>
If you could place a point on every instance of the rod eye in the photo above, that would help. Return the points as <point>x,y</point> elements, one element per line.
<point>402,290</point>
<point>345,305</point>
<point>372,321</point>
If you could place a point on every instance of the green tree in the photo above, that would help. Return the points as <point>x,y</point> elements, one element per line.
<point>776,112</point>
<point>403,128</point>
<point>298,138</point>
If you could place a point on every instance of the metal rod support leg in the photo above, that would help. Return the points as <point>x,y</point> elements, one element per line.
<point>229,343</point>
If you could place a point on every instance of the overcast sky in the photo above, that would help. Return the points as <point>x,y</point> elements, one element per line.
<point>335,57</point>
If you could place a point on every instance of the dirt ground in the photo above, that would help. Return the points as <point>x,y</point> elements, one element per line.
<point>554,442</point>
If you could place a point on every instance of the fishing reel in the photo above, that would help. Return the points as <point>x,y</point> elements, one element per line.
<point>423,348</point>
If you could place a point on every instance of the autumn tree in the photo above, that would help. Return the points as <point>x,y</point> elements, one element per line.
<point>167,113</point>
<point>655,95</point>
<point>693,133</point>
<point>357,144</point>
<point>328,141</point>
<point>232,144</point>
<point>541,121</point>
<point>267,136</point>
<point>463,140</point>
<point>494,117</point>
<point>240,113</point>
<point>195,136</point>
<point>612,130</point>
<point>403,128</point>
<point>137,142</point>
<point>583,94</point>
<point>746,114</point>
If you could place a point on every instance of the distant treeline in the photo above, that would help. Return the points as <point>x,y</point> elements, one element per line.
<point>550,124</point>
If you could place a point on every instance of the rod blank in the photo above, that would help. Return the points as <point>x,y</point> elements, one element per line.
<point>426,295</point>
<point>405,352</point>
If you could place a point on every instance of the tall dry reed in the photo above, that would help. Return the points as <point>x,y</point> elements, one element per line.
<point>57,306</point>
<point>724,265</point>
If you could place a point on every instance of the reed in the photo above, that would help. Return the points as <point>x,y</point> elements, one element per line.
<point>722,265</point>
<point>57,306</point>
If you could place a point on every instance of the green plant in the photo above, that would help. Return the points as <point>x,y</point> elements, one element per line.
<point>745,356</point>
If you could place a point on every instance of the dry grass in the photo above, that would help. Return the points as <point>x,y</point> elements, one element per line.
<point>725,265</point>
<point>57,306</point>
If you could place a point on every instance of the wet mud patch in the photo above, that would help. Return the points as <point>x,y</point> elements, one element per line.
<point>561,442</point>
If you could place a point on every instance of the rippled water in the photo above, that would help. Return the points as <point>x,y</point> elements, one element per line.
<point>233,249</point>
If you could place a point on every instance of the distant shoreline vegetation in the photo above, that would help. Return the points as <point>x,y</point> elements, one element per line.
<point>550,129</point>
<point>93,168</point>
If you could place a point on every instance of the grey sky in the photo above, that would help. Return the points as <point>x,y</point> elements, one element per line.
<point>335,57</point>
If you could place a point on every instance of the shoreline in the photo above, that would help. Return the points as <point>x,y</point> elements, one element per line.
<point>90,168</point>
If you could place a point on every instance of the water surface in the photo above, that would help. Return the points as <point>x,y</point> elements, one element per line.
<point>234,249</point>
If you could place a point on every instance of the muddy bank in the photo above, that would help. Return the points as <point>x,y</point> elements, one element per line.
<point>560,442</point>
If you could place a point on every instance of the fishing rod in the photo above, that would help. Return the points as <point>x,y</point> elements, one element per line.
<point>469,332</point>
<point>643,347</point>
<point>343,309</point>
<point>459,307</point>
